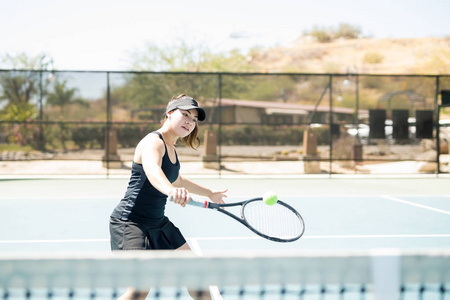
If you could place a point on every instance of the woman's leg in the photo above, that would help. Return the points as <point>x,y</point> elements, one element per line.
<point>132,294</point>
<point>204,295</point>
<point>137,235</point>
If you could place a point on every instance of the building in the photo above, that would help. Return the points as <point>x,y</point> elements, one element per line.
<point>274,113</point>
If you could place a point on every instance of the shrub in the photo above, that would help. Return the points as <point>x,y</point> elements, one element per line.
<point>91,136</point>
<point>373,58</point>
<point>348,31</point>
<point>322,35</point>
<point>269,135</point>
<point>129,135</point>
<point>326,35</point>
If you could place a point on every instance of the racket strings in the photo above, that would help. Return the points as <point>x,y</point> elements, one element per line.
<point>273,220</point>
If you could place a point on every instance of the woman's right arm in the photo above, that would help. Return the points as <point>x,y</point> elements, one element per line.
<point>151,151</point>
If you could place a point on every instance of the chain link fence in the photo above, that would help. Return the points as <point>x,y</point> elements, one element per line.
<point>88,123</point>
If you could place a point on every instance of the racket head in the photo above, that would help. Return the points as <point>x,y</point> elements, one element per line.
<point>279,222</point>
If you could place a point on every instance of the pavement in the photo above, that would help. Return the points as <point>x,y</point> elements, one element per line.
<point>238,160</point>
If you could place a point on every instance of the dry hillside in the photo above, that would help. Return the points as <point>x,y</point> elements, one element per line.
<point>379,56</point>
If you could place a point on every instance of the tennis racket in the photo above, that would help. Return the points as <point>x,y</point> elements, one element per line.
<point>279,222</point>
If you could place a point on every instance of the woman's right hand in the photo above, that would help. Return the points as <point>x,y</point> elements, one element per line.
<point>180,196</point>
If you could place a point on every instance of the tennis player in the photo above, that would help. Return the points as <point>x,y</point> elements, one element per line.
<point>138,222</point>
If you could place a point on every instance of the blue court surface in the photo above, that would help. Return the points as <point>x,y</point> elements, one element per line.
<point>71,215</point>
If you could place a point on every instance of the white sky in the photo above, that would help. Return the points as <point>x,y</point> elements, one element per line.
<point>101,34</point>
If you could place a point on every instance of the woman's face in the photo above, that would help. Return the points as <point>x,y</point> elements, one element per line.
<point>184,121</point>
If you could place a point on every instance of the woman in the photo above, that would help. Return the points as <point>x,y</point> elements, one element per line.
<point>138,221</point>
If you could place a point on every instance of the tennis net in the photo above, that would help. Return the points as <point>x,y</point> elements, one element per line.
<point>376,274</point>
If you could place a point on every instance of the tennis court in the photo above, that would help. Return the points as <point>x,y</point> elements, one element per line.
<point>351,214</point>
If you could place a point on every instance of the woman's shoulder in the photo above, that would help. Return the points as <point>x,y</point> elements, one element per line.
<point>152,137</point>
<point>151,142</point>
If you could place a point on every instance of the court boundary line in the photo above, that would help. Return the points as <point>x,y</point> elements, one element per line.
<point>197,249</point>
<point>53,241</point>
<point>307,196</point>
<point>416,204</point>
<point>213,289</point>
<point>355,236</point>
<point>230,176</point>
<point>231,196</point>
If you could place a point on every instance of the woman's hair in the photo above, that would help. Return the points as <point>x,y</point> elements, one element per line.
<point>192,140</point>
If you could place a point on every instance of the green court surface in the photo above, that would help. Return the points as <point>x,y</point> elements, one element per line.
<point>71,215</point>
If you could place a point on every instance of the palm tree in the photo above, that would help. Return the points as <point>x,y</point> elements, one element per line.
<point>63,96</point>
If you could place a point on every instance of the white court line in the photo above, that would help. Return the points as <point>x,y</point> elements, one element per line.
<point>357,236</point>
<point>417,205</point>
<point>55,241</point>
<point>375,236</point>
<point>213,289</point>
<point>197,249</point>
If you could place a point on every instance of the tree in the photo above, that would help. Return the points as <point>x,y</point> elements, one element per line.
<point>142,91</point>
<point>22,61</point>
<point>169,58</point>
<point>322,34</point>
<point>18,112</point>
<point>348,31</point>
<point>183,57</point>
<point>62,96</point>
<point>328,34</point>
<point>20,87</point>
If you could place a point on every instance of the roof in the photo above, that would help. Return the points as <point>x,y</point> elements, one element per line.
<point>282,106</point>
<point>412,96</point>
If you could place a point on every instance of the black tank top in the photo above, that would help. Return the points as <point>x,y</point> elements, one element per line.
<point>142,201</point>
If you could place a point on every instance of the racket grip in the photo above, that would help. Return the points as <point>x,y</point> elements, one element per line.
<point>192,202</point>
<point>203,204</point>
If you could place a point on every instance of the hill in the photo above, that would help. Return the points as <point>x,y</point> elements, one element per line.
<point>366,55</point>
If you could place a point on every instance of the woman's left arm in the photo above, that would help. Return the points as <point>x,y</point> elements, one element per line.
<point>194,188</point>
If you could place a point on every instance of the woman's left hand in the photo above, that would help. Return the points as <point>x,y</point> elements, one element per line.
<point>217,197</point>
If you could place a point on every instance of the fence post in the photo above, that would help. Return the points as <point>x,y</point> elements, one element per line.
<point>210,158</point>
<point>311,162</point>
<point>111,160</point>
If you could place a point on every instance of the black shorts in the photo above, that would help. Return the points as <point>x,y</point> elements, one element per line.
<point>129,235</point>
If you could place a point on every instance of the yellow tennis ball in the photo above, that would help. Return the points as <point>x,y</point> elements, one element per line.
<point>270,198</point>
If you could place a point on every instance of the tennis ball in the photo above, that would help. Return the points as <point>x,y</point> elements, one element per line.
<point>270,198</point>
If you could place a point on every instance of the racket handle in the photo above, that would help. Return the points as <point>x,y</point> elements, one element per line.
<point>203,204</point>
<point>192,202</point>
